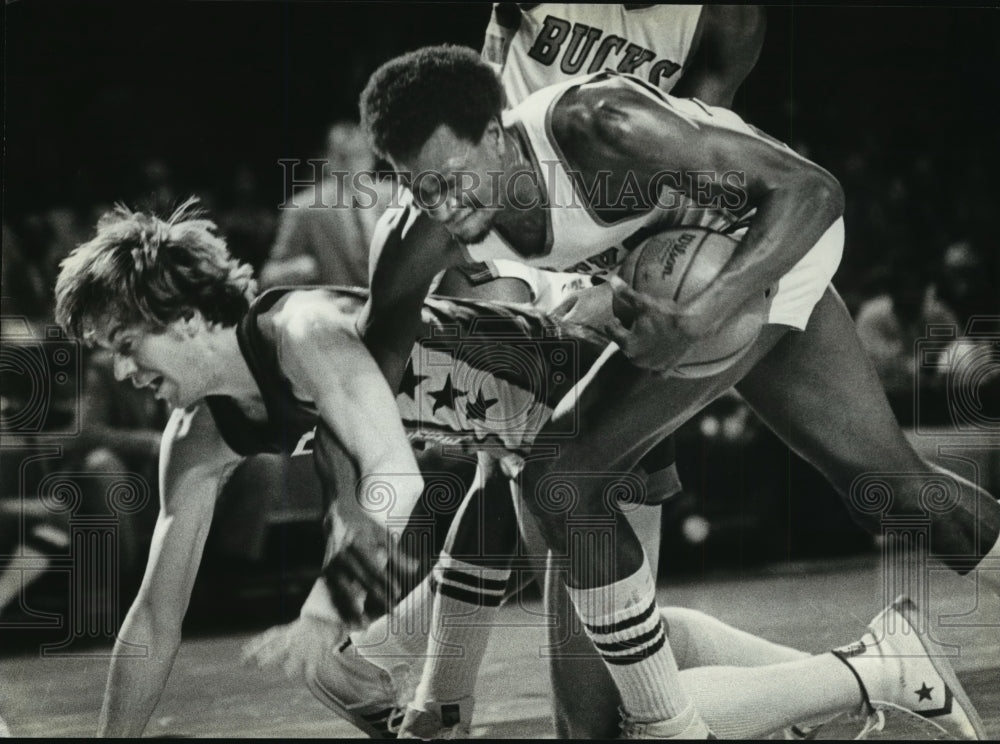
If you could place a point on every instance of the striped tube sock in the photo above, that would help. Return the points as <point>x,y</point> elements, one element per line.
<point>465,607</point>
<point>624,623</point>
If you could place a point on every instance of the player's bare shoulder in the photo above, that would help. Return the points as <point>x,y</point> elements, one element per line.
<point>315,336</point>
<point>608,118</point>
<point>310,316</point>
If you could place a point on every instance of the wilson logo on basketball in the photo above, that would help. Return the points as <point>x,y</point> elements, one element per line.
<point>668,253</point>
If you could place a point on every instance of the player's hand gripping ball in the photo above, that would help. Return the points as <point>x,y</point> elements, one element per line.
<point>664,274</point>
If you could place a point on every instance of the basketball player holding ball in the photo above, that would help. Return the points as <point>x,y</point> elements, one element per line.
<point>287,370</point>
<point>705,51</point>
<point>523,185</point>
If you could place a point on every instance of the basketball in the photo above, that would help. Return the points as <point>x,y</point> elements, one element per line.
<point>677,264</point>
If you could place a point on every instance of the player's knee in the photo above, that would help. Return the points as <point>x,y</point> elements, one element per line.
<point>662,484</point>
<point>681,625</point>
<point>678,619</point>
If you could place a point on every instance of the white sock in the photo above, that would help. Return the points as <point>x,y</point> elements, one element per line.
<point>752,702</point>
<point>400,636</point>
<point>467,598</point>
<point>624,623</point>
<point>699,640</point>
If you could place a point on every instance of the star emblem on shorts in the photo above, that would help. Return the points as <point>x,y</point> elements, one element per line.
<point>477,408</point>
<point>924,693</point>
<point>411,381</point>
<point>445,397</point>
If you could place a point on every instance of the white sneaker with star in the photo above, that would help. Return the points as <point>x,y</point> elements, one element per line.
<point>899,670</point>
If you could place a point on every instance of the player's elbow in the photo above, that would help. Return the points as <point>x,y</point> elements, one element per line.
<point>831,193</point>
<point>822,194</point>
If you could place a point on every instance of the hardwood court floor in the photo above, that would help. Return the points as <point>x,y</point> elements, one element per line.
<point>811,606</point>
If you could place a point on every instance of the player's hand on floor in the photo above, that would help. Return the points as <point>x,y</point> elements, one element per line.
<point>294,648</point>
<point>653,333</point>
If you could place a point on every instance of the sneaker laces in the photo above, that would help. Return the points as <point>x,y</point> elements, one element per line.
<point>881,706</point>
<point>874,721</point>
<point>394,721</point>
<point>628,727</point>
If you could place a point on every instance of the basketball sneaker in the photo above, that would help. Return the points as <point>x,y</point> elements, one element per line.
<point>437,720</point>
<point>799,732</point>
<point>898,670</point>
<point>686,725</point>
<point>358,691</point>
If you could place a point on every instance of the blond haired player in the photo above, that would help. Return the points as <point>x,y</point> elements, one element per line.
<point>287,369</point>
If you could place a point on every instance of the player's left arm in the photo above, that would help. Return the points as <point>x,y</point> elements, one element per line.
<point>322,356</point>
<point>407,252</point>
<point>796,201</point>
<point>728,48</point>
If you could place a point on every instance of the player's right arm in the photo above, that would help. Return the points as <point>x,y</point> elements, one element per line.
<point>505,21</point>
<point>194,462</point>
<point>614,126</point>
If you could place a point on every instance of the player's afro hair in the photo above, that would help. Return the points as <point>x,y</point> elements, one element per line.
<point>410,96</point>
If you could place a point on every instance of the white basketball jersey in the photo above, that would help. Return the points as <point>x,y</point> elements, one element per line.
<point>539,45</point>
<point>578,239</point>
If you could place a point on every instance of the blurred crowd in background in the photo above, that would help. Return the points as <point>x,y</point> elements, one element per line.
<point>921,249</point>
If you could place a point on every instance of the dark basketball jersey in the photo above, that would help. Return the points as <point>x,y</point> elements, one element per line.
<point>483,373</point>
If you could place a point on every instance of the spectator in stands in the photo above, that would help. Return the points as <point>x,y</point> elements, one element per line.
<point>323,237</point>
<point>247,221</point>
<point>890,323</point>
<point>119,432</point>
<point>968,281</point>
<point>24,288</point>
